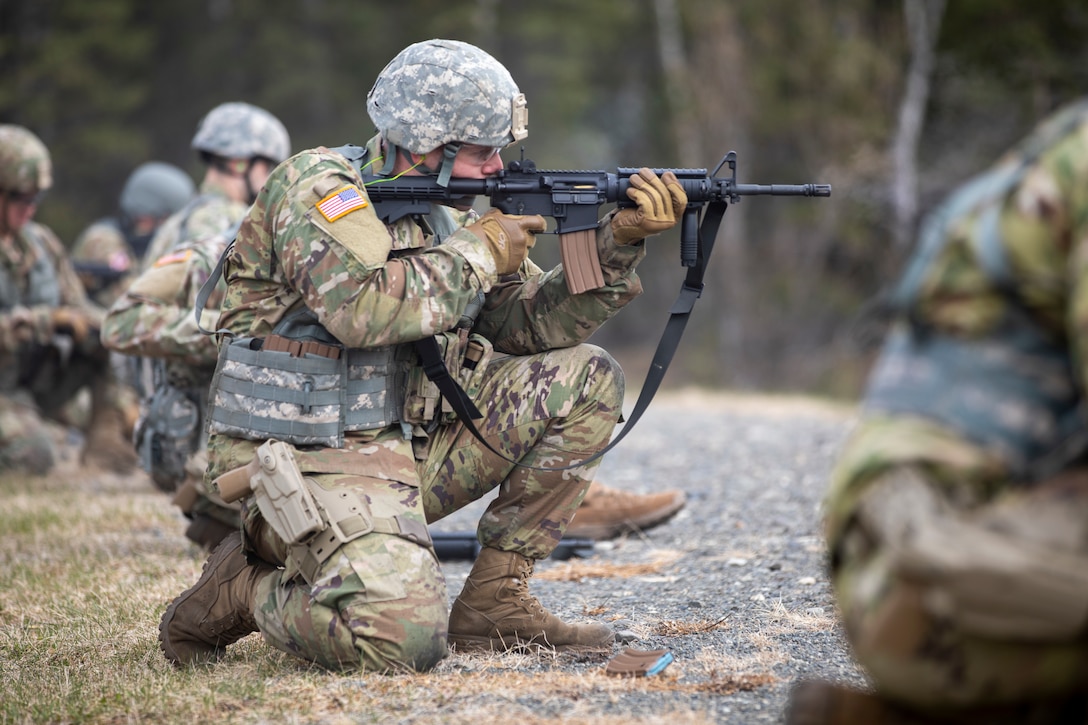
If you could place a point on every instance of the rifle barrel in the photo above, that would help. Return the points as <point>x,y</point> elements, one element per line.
<point>783,189</point>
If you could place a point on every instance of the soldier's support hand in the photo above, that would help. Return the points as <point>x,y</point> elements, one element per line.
<point>508,237</point>
<point>661,202</point>
<point>74,322</point>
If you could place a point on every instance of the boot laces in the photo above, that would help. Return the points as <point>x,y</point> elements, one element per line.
<point>521,586</point>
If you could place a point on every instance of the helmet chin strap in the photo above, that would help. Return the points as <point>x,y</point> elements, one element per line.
<point>4,206</point>
<point>445,166</point>
<point>230,167</point>
<point>250,191</point>
<point>445,169</point>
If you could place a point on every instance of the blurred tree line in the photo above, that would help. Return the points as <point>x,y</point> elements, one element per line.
<point>893,103</point>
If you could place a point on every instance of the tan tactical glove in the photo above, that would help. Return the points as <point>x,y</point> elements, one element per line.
<point>508,237</point>
<point>74,322</point>
<point>661,203</point>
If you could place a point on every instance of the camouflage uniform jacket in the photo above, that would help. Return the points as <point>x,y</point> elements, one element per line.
<point>966,291</point>
<point>210,212</point>
<point>154,317</point>
<point>372,285</point>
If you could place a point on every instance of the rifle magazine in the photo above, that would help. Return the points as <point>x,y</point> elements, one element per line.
<point>581,266</point>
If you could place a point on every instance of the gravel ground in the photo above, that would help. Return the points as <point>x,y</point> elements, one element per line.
<point>734,586</point>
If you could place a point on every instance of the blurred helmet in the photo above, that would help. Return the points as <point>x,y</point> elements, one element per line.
<point>445,91</point>
<point>156,189</point>
<point>25,166</point>
<point>242,131</point>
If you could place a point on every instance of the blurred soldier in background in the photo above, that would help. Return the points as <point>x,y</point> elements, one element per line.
<point>109,252</point>
<point>238,144</point>
<point>957,517</point>
<point>153,319</point>
<point>48,327</point>
<point>320,393</point>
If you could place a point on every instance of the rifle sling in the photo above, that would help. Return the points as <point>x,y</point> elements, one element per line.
<point>691,289</point>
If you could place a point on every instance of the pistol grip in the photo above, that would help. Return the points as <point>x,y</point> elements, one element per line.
<point>581,266</point>
<point>235,484</point>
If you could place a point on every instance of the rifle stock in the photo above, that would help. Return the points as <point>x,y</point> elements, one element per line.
<point>572,199</point>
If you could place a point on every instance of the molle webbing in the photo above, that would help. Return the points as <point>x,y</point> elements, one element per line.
<point>302,397</point>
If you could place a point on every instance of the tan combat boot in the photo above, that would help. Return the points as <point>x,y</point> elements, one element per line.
<point>106,446</point>
<point>207,531</point>
<point>607,512</point>
<point>495,611</point>
<point>217,610</point>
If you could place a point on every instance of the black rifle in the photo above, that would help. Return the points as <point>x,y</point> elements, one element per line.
<point>97,276</point>
<point>572,198</point>
<point>459,546</point>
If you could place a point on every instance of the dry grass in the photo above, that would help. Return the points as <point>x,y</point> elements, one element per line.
<point>89,562</point>
<point>577,570</point>
<point>679,629</point>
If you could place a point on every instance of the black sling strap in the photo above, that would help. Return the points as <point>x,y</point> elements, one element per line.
<point>691,289</point>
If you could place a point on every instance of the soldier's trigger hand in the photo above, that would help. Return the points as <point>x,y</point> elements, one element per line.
<point>508,237</point>
<point>73,322</point>
<point>660,203</point>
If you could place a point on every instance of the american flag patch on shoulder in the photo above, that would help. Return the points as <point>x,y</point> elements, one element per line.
<point>173,258</point>
<point>343,201</point>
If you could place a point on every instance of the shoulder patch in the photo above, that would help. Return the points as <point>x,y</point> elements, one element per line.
<point>341,202</point>
<point>173,258</point>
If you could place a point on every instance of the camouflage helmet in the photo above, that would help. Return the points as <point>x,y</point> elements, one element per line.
<point>25,166</point>
<point>445,91</point>
<point>156,189</point>
<point>242,131</point>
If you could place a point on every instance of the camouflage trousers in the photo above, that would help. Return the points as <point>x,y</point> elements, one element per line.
<point>934,631</point>
<point>380,601</point>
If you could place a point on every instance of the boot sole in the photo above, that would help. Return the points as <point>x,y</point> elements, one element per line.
<point>221,552</point>
<point>468,643</point>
